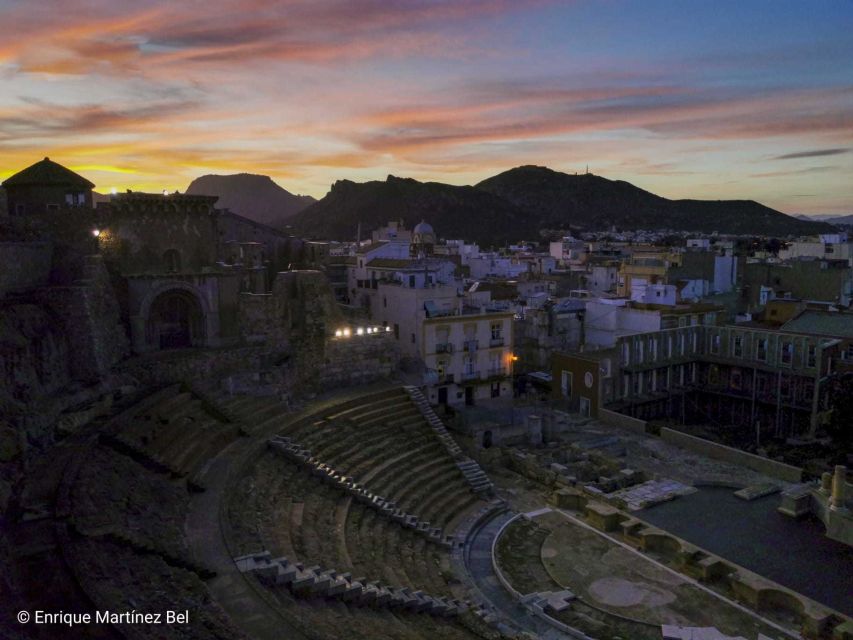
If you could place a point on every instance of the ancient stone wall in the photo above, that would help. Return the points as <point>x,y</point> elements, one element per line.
<point>89,314</point>
<point>622,421</point>
<point>280,250</point>
<point>26,265</point>
<point>255,316</point>
<point>34,356</point>
<point>137,231</point>
<point>193,366</point>
<point>717,451</point>
<point>358,360</point>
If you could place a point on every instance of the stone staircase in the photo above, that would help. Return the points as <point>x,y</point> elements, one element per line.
<point>301,456</point>
<point>474,474</point>
<point>305,582</point>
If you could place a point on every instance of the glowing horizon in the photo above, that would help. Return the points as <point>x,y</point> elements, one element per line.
<point>687,100</point>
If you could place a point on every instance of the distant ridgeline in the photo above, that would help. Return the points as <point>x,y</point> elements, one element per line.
<point>517,204</point>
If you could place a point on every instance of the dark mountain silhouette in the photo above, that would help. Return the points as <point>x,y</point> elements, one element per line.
<point>518,203</point>
<point>591,202</point>
<point>840,219</point>
<point>253,196</point>
<point>455,212</point>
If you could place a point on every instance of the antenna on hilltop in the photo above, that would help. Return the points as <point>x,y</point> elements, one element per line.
<point>587,169</point>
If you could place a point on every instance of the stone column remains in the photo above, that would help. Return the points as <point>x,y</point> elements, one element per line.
<point>826,483</point>
<point>838,487</point>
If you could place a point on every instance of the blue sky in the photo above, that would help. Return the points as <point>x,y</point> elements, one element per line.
<point>713,100</point>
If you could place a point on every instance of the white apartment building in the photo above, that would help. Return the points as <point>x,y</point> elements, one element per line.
<point>468,356</point>
<point>569,251</point>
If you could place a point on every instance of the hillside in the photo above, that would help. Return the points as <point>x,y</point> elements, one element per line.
<point>253,196</point>
<point>455,212</point>
<point>841,219</point>
<point>516,204</point>
<point>588,201</point>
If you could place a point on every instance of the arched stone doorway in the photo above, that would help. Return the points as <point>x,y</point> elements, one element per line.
<point>175,321</point>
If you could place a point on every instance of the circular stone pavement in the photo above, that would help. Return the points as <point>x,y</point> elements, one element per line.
<point>617,592</point>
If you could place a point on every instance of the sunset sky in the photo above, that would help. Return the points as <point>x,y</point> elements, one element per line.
<point>707,99</point>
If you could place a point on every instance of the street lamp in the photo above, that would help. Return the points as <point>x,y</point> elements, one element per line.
<point>512,360</point>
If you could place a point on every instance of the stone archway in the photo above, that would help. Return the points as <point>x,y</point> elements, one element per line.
<point>175,321</point>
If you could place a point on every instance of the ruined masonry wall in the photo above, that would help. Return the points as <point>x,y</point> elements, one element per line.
<point>358,361</point>
<point>766,466</point>
<point>26,265</point>
<point>89,313</point>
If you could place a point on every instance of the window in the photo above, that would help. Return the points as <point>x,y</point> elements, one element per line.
<point>626,354</point>
<point>566,384</point>
<point>396,331</point>
<point>761,352</point>
<point>413,338</point>
<point>811,356</point>
<point>172,261</point>
<point>715,344</point>
<point>497,328</point>
<point>384,301</point>
<point>640,351</point>
<point>69,198</point>
<point>787,352</point>
<point>469,364</point>
<point>737,347</point>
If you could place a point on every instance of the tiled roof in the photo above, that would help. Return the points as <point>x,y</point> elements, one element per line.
<point>47,172</point>
<point>822,323</point>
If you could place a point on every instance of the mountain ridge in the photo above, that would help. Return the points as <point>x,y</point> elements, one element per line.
<point>252,196</point>
<point>518,203</point>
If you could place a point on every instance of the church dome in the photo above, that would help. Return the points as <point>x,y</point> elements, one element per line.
<point>423,228</point>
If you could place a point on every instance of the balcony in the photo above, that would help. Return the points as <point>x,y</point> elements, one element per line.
<point>433,377</point>
<point>497,372</point>
<point>496,342</point>
<point>444,347</point>
<point>472,345</point>
<point>471,375</point>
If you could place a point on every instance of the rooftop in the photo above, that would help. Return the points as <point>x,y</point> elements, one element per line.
<point>835,324</point>
<point>45,173</point>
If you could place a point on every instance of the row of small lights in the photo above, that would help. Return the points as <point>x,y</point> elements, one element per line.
<point>346,332</point>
